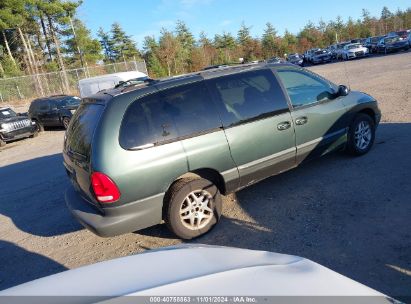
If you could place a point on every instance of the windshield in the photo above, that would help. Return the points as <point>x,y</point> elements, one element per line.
<point>320,52</point>
<point>392,39</point>
<point>7,113</point>
<point>353,46</point>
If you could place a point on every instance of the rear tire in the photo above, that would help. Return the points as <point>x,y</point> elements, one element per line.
<point>192,207</point>
<point>361,135</point>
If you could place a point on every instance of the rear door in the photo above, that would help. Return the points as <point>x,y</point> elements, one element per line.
<point>257,123</point>
<point>317,112</point>
<point>42,111</point>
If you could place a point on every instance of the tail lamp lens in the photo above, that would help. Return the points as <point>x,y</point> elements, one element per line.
<point>104,188</point>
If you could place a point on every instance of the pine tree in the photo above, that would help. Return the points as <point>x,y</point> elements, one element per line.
<point>106,44</point>
<point>269,41</point>
<point>123,47</point>
<point>82,42</point>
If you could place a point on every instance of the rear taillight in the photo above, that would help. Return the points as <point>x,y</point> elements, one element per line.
<point>105,189</point>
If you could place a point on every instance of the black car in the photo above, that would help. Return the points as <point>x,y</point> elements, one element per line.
<point>321,56</point>
<point>14,126</point>
<point>392,44</point>
<point>372,42</point>
<point>296,59</point>
<point>53,111</point>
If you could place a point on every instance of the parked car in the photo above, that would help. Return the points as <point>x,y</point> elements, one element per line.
<point>296,59</point>
<point>198,273</point>
<point>321,56</point>
<point>53,111</point>
<point>92,85</point>
<point>392,44</point>
<point>333,50</point>
<point>372,42</point>
<point>340,50</point>
<point>309,53</point>
<point>354,50</point>
<point>167,150</point>
<point>403,34</point>
<point>15,126</point>
<point>275,60</point>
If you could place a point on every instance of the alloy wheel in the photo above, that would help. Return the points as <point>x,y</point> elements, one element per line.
<point>362,135</point>
<point>195,210</point>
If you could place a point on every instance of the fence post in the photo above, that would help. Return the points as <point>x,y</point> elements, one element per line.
<point>1,97</point>
<point>18,91</point>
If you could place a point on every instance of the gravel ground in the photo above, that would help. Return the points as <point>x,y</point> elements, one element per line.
<point>349,214</point>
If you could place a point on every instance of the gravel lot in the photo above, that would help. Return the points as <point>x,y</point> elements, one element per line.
<point>352,215</point>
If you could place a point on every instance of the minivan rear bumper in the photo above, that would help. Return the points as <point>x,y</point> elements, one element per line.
<point>115,220</point>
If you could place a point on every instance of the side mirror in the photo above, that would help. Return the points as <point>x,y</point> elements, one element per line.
<point>343,90</point>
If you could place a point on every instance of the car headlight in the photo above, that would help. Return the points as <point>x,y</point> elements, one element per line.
<point>5,127</point>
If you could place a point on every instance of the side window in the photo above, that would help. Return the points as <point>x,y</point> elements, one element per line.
<point>70,101</point>
<point>248,96</point>
<point>305,88</point>
<point>43,106</point>
<point>173,113</point>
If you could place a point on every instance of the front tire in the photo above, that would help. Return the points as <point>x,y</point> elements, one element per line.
<point>2,143</point>
<point>66,122</point>
<point>192,207</point>
<point>361,135</point>
<point>39,126</point>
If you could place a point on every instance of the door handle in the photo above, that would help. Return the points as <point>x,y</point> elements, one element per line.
<point>301,120</point>
<point>283,125</point>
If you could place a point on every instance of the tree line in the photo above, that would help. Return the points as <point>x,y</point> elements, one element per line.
<point>39,36</point>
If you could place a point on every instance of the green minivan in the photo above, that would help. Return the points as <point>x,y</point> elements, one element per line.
<point>166,150</point>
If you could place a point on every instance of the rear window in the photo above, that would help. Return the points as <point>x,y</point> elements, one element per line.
<point>81,129</point>
<point>169,115</point>
<point>71,101</point>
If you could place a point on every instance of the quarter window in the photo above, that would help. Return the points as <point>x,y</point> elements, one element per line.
<point>166,116</point>
<point>248,96</point>
<point>305,88</point>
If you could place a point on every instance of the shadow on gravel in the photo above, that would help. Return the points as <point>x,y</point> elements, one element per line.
<point>32,196</point>
<point>15,261</point>
<point>349,214</point>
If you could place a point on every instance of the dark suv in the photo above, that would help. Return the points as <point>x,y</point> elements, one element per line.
<point>53,111</point>
<point>167,149</point>
<point>14,126</point>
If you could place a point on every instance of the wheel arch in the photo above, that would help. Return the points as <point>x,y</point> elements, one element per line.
<point>206,173</point>
<point>370,112</point>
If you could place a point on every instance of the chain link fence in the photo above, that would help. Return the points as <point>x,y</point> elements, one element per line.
<point>26,88</point>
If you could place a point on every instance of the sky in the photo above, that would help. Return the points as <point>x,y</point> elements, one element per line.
<point>140,18</point>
